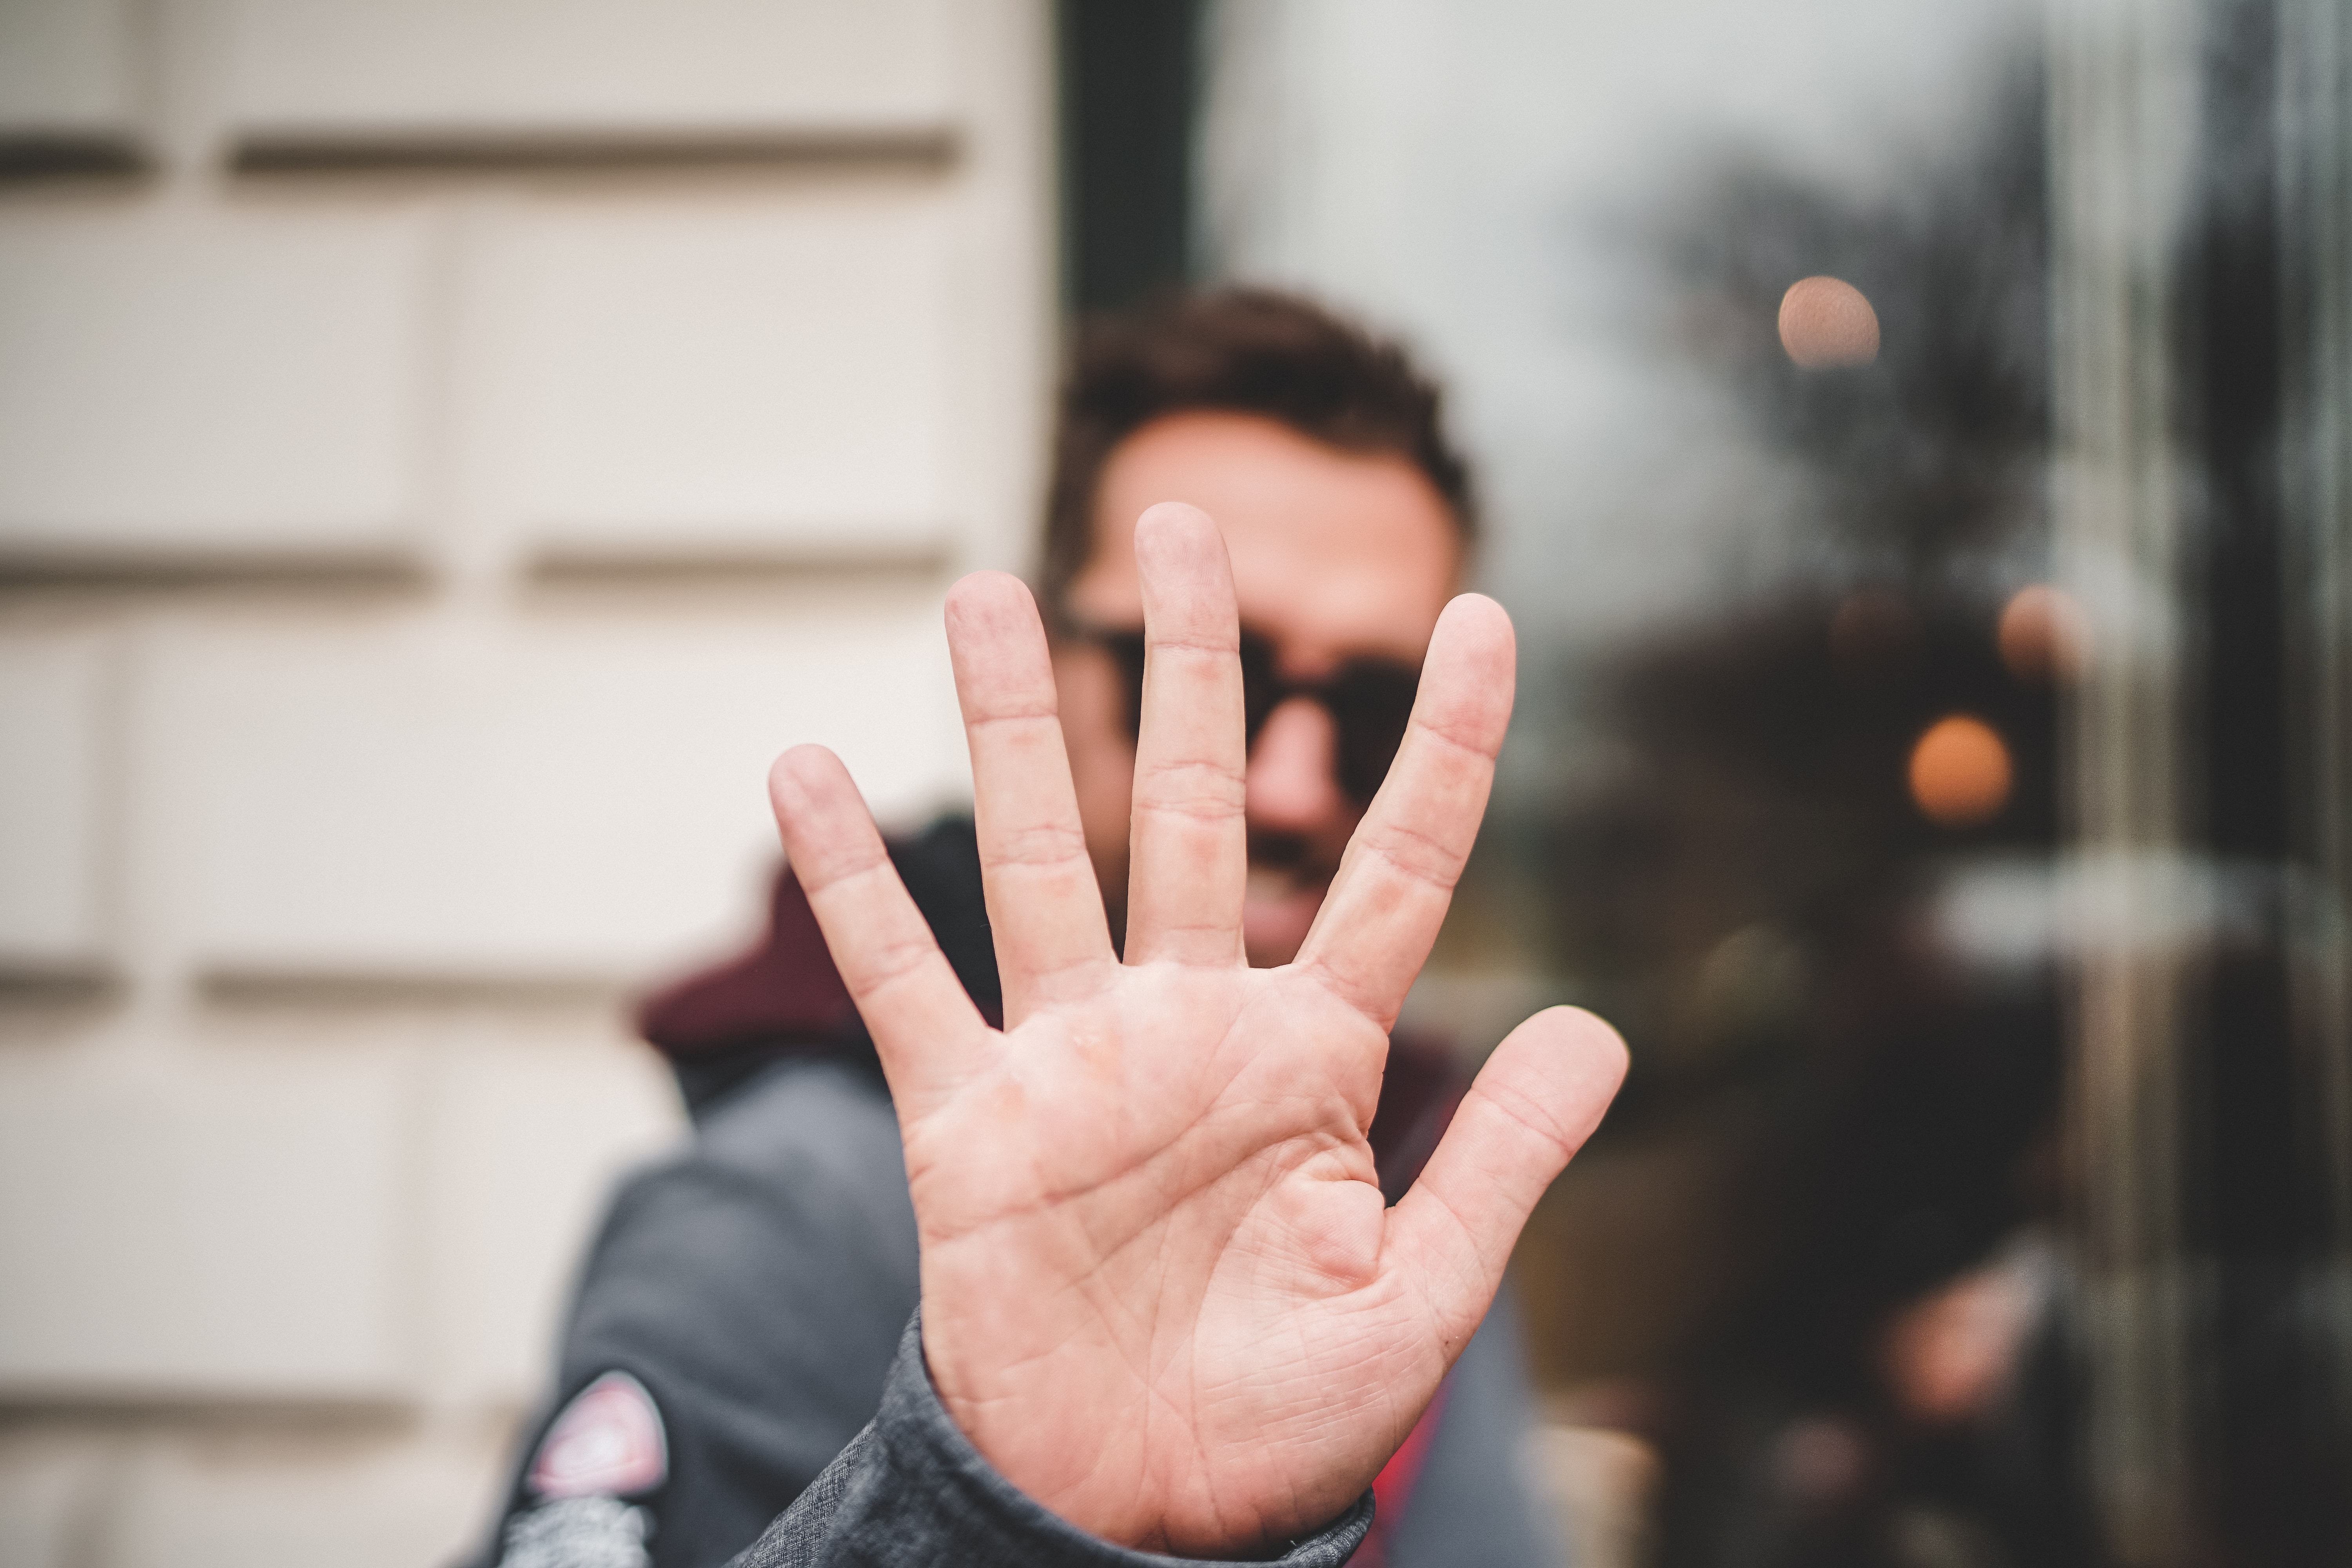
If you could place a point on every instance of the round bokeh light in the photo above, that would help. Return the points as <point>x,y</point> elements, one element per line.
<point>1960,772</point>
<point>1827,324</point>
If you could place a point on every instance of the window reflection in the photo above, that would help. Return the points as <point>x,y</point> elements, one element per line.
<point>1916,437</point>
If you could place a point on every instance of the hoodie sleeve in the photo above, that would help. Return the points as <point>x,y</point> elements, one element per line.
<point>753,1288</point>
<point>911,1490</point>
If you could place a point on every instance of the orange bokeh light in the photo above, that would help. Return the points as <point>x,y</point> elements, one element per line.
<point>1960,772</point>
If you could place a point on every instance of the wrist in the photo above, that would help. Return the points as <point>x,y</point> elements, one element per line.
<point>1095,1507</point>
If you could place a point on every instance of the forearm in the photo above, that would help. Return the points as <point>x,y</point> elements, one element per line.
<point>911,1489</point>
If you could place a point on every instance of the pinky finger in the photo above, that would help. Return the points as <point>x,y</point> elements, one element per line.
<point>926,1029</point>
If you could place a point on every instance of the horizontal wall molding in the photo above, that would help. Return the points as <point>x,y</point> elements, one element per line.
<point>32,983</point>
<point>24,567</point>
<point>95,1409</point>
<point>345,150</point>
<point>897,553</point>
<point>69,155</point>
<point>269,990</point>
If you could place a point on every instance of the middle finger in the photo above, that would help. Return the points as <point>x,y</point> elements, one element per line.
<point>1188,840</point>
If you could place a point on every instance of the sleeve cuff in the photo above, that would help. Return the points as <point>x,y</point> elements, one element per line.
<point>912,1489</point>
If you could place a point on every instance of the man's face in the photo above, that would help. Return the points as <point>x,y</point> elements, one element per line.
<point>1337,556</point>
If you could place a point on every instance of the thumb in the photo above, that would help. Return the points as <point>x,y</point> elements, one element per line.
<point>1533,1105</point>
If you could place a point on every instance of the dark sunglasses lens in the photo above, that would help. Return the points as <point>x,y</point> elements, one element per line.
<point>1126,651</point>
<point>1370,702</point>
<point>1260,690</point>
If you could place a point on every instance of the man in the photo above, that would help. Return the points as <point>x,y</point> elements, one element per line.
<point>740,1317</point>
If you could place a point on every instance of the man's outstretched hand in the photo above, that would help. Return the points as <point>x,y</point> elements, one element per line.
<point>1161,1292</point>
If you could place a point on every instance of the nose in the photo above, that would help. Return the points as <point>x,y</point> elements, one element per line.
<point>1292,785</point>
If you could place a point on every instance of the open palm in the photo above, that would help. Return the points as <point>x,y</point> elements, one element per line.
<point>1161,1291</point>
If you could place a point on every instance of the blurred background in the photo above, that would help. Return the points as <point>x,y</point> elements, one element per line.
<point>446,449</point>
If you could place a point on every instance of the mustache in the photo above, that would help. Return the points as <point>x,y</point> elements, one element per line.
<point>1293,853</point>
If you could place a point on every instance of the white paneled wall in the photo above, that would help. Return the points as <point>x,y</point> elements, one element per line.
<point>395,798</point>
<point>218,1228</point>
<point>445,451</point>
<point>216,386</point>
<point>66,70</point>
<point>57,788</point>
<point>226,1498</point>
<point>805,352</point>
<point>602,69</point>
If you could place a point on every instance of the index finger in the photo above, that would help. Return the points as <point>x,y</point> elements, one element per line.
<point>1045,905</point>
<point>1397,878</point>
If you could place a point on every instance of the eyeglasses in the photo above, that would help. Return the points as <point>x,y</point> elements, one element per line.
<point>1369,699</point>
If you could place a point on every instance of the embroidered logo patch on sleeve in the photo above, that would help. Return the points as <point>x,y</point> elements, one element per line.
<point>578,1532</point>
<point>607,1443</point>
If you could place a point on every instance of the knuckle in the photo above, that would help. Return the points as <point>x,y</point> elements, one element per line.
<point>1472,734</point>
<point>1036,844</point>
<point>1417,856</point>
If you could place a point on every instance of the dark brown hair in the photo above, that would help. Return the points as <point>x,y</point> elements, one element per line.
<point>1245,351</point>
